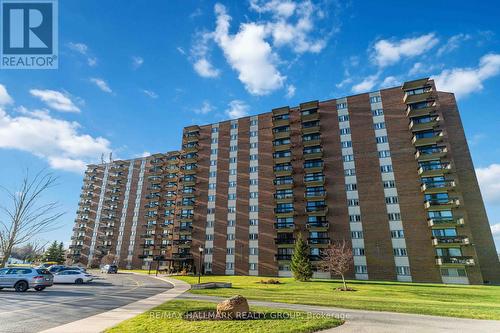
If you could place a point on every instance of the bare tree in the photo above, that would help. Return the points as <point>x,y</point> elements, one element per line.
<point>27,216</point>
<point>337,259</point>
<point>31,251</point>
<point>108,259</point>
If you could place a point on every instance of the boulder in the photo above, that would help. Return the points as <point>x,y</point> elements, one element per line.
<point>233,308</point>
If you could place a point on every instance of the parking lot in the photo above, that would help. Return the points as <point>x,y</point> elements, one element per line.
<point>60,304</point>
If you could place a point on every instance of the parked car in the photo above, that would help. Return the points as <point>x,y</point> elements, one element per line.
<point>24,278</point>
<point>109,269</point>
<point>60,268</point>
<point>72,276</point>
<point>47,264</point>
<point>55,268</point>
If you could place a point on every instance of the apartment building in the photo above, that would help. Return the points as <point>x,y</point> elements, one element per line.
<point>389,172</point>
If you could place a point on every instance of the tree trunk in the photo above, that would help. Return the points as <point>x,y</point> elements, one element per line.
<point>6,256</point>
<point>343,281</point>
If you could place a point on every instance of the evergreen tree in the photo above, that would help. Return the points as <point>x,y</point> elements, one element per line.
<point>301,265</point>
<point>61,253</point>
<point>52,252</point>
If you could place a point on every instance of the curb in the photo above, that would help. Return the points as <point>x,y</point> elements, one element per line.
<point>102,321</point>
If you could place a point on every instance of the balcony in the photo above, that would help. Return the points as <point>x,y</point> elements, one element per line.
<point>442,204</point>
<point>418,142</point>
<point>190,148</point>
<point>422,97</point>
<point>435,170</point>
<point>282,159</point>
<point>318,226</point>
<point>314,181</point>
<point>147,235</point>
<point>75,246</point>
<point>183,243</point>
<point>313,167</point>
<point>285,242</point>
<point>283,257</point>
<point>283,185</point>
<point>450,240</point>
<point>281,134</point>
<point>190,158</point>
<point>318,241</point>
<point>312,155</point>
<point>311,142</point>
<point>281,213</point>
<point>438,187</point>
<point>445,221</point>
<point>283,170</point>
<point>431,154</point>
<point>317,195</point>
<point>281,147</point>
<point>311,129</point>
<point>181,256</point>
<point>317,210</point>
<point>427,111</point>
<point>455,261</point>
<point>145,256</point>
<point>147,245</point>
<point>430,125</point>
<point>190,171</point>
<point>284,227</point>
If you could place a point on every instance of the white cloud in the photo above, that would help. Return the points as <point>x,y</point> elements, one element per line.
<point>366,85</point>
<point>453,43</point>
<point>205,108</point>
<point>290,91</point>
<point>249,54</point>
<point>205,69</point>
<point>237,109</point>
<point>143,154</point>
<point>83,49</point>
<point>101,84</point>
<point>390,81</point>
<point>489,181</point>
<point>463,81</point>
<point>495,230</point>
<point>277,7</point>
<point>181,50</point>
<point>59,142</point>
<point>150,93</point>
<point>5,98</point>
<point>137,62</point>
<point>388,52</point>
<point>56,100</point>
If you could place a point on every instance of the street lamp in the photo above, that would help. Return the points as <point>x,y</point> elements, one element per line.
<point>199,267</point>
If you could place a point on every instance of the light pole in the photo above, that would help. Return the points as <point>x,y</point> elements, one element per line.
<point>199,267</point>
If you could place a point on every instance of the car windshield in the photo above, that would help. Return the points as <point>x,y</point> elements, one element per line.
<point>43,271</point>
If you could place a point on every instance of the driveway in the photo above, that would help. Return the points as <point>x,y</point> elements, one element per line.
<point>60,304</point>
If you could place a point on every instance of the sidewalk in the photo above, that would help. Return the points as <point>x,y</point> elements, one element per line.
<point>105,320</point>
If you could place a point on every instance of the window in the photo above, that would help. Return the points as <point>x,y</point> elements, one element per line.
<point>209,250</point>
<point>232,172</point>
<point>386,168</point>
<point>353,202</point>
<point>253,208</point>
<point>389,184</point>
<point>212,186</point>
<point>378,126</point>
<point>394,216</point>
<point>447,232</point>
<point>213,162</point>
<point>231,223</point>
<point>215,129</point>
<point>358,251</point>
<point>391,200</point>
<point>254,157</point>
<point>232,160</point>
<point>350,172</point>
<point>229,265</point>
<point>346,144</point>
<point>384,153</point>
<point>397,234</point>
<point>344,118</point>
<point>341,106</point>
<point>211,198</point>
<point>231,196</point>
<point>232,184</point>
<point>230,236</point>
<point>375,99</point>
<point>344,131</point>
<point>253,169</point>
<point>311,137</point>
<point>253,251</point>
<point>254,195</point>
<point>351,187</point>
<point>253,222</point>
<point>233,148</point>
<point>377,112</point>
<point>212,174</point>
<point>382,139</point>
<point>355,218</point>
<point>253,236</point>
<point>213,151</point>
<point>254,145</point>
<point>252,266</point>
<point>209,237</point>
<point>348,158</point>
<point>356,234</point>
<point>231,209</point>
<point>403,270</point>
<point>234,125</point>
<point>253,133</point>
<point>360,269</point>
<point>253,181</point>
<point>453,272</point>
<point>399,252</point>
<point>230,250</point>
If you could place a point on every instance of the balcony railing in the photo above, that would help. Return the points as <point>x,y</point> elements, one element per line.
<point>455,260</point>
<point>283,256</point>
<point>317,225</point>
<point>442,221</point>
<point>318,240</point>
<point>284,240</point>
<point>440,240</point>
<point>452,202</point>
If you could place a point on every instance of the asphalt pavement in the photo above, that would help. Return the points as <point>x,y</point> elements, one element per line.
<point>33,311</point>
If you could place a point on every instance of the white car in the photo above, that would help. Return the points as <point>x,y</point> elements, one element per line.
<point>77,277</point>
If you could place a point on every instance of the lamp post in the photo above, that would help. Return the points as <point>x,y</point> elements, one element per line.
<point>199,267</point>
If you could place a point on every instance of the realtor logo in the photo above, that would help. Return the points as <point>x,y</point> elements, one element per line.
<point>29,34</point>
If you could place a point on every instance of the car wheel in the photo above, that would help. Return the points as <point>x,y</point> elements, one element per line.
<point>78,281</point>
<point>39,288</point>
<point>21,286</point>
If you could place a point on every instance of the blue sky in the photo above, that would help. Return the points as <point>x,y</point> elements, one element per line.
<point>133,74</point>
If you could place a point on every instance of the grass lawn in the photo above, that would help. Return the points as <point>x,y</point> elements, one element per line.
<point>167,318</point>
<point>480,302</point>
